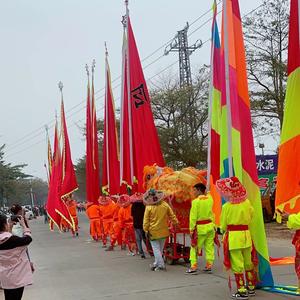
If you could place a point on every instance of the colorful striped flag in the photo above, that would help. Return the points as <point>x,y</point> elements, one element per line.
<point>213,161</point>
<point>111,160</point>
<point>237,145</point>
<point>288,178</point>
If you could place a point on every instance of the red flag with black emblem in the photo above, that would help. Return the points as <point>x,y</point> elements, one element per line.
<point>145,142</point>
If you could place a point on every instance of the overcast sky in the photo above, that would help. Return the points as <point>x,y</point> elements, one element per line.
<point>43,42</point>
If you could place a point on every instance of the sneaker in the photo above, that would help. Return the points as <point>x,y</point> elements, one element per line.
<point>152,267</point>
<point>191,271</point>
<point>158,269</point>
<point>131,253</point>
<point>251,292</point>
<point>240,295</point>
<point>110,248</point>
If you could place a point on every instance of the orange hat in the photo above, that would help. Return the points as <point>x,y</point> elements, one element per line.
<point>104,200</point>
<point>232,189</point>
<point>124,201</point>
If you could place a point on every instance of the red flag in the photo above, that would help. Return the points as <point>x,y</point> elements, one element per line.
<point>126,159</point>
<point>111,161</point>
<point>92,158</point>
<point>56,208</point>
<point>145,142</point>
<point>69,182</point>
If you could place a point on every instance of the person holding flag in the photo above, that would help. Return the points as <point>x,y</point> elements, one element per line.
<point>239,253</point>
<point>202,229</point>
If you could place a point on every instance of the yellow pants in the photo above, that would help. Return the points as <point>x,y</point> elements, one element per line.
<point>241,260</point>
<point>205,241</point>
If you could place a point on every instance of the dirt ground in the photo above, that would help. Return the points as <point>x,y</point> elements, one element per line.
<point>278,231</point>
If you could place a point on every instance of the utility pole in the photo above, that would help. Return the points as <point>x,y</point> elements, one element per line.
<point>31,195</point>
<point>180,44</point>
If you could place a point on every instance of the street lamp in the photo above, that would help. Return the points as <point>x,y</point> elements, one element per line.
<point>262,146</point>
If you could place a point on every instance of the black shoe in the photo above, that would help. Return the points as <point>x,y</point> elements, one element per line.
<point>207,270</point>
<point>152,267</point>
<point>77,234</point>
<point>143,256</point>
<point>110,248</point>
<point>240,295</point>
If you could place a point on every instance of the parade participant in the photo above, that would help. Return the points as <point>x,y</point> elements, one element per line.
<point>202,229</point>
<point>64,225</point>
<point>93,212</point>
<point>137,213</point>
<point>236,217</point>
<point>15,269</point>
<point>156,217</point>
<point>293,222</point>
<point>108,209</point>
<point>72,206</point>
<point>126,223</point>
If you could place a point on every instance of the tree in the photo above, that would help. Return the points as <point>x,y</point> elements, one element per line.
<point>10,176</point>
<point>266,36</point>
<point>181,118</point>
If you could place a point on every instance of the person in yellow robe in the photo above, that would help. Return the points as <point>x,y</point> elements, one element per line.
<point>236,216</point>
<point>202,229</point>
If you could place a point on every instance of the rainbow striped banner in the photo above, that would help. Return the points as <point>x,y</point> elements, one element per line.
<point>236,137</point>
<point>288,179</point>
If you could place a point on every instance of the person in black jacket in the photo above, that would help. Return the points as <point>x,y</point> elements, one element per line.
<point>137,213</point>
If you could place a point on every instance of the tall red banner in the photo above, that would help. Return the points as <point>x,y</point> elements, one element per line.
<point>69,182</point>
<point>92,155</point>
<point>145,143</point>
<point>111,161</point>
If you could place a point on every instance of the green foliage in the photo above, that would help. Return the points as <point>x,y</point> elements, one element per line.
<point>181,118</point>
<point>266,36</point>
<point>14,183</point>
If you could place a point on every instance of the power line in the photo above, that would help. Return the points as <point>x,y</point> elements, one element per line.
<point>22,142</point>
<point>51,123</point>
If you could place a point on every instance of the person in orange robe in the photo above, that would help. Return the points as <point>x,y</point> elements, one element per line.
<point>72,205</point>
<point>125,222</point>
<point>64,226</point>
<point>93,212</point>
<point>108,209</point>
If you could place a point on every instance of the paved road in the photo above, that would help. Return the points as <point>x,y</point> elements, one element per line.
<point>75,268</point>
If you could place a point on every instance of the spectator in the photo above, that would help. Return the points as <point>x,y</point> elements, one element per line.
<point>155,225</point>
<point>137,213</point>
<point>15,269</point>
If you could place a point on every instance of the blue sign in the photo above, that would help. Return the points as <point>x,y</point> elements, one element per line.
<point>266,164</point>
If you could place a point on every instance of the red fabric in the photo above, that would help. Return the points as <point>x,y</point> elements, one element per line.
<point>203,222</point>
<point>56,208</point>
<point>92,157</point>
<point>237,227</point>
<point>69,182</point>
<point>194,238</point>
<point>145,142</point>
<point>226,261</point>
<point>232,188</point>
<point>111,161</point>
<point>125,159</point>
<point>294,42</point>
<point>296,240</point>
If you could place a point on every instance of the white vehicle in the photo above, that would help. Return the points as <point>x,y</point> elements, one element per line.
<point>28,214</point>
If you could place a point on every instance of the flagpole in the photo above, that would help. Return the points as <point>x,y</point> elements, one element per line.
<point>122,105</point>
<point>47,138</point>
<point>228,102</point>
<point>106,115</point>
<point>210,101</point>
<point>129,102</point>
<point>94,119</point>
<point>61,86</point>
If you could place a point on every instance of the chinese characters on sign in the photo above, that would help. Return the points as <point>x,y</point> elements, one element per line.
<point>267,170</point>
